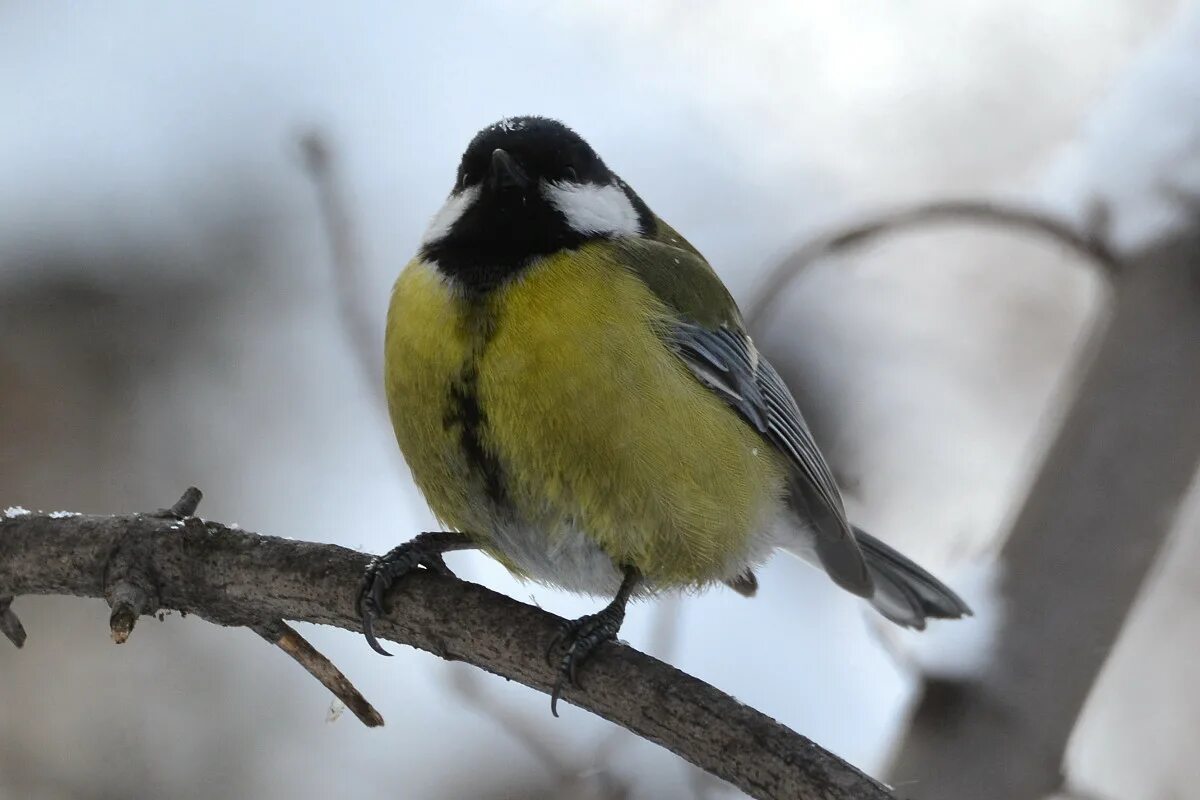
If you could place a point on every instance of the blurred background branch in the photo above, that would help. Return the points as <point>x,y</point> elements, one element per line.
<point>1091,242</point>
<point>1095,519</point>
<point>1094,522</point>
<point>345,258</point>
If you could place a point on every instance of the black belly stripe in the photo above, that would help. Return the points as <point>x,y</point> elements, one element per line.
<point>466,413</point>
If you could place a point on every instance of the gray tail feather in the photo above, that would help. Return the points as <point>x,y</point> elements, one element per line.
<point>904,592</point>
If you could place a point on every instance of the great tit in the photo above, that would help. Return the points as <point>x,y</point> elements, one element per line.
<point>576,394</point>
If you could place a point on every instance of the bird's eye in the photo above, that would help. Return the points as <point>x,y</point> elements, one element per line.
<point>572,174</point>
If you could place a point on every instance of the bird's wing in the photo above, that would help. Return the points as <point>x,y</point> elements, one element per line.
<point>709,337</point>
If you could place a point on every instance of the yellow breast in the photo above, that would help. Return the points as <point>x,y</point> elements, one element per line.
<point>591,420</point>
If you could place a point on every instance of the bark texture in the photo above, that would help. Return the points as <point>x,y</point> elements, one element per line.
<point>232,577</point>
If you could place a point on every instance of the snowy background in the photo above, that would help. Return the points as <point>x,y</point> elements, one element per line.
<point>167,317</point>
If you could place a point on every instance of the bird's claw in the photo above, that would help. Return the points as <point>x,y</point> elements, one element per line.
<point>581,638</point>
<point>384,571</point>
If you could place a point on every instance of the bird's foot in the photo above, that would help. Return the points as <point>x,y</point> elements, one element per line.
<point>424,550</point>
<point>581,637</point>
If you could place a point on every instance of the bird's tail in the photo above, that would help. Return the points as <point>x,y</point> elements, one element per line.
<point>904,592</point>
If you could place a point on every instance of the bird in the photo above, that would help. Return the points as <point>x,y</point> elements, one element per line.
<point>576,394</point>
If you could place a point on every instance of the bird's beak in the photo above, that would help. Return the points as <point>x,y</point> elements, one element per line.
<point>507,173</point>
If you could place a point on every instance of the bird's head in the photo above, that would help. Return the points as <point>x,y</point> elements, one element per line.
<point>527,187</point>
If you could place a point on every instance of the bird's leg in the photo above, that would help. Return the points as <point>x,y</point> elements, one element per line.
<point>423,550</point>
<point>584,635</point>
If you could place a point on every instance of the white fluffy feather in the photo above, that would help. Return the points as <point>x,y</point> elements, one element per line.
<point>561,554</point>
<point>451,212</point>
<point>594,208</point>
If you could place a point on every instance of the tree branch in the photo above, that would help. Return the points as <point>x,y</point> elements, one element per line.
<point>343,257</point>
<point>1102,506</point>
<point>232,577</point>
<point>1091,243</point>
<point>10,625</point>
<point>289,640</point>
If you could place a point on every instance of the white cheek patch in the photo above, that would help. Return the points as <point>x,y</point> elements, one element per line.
<point>593,208</point>
<point>456,205</point>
